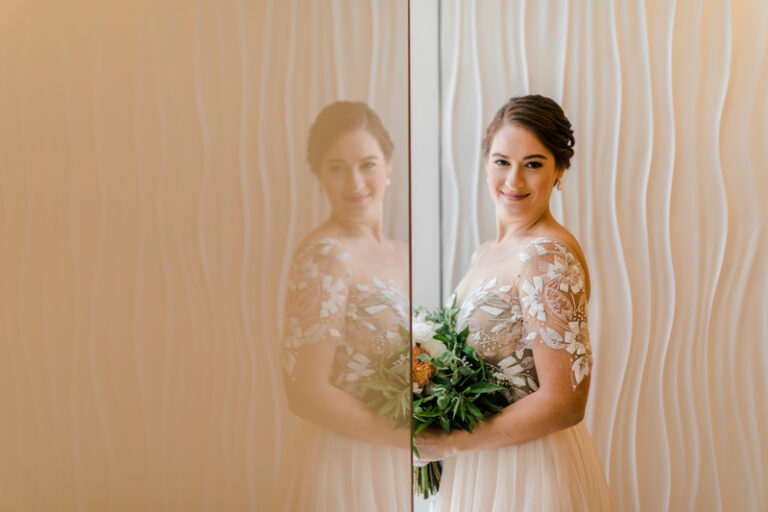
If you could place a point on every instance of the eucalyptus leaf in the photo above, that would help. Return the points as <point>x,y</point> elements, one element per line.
<point>484,387</point>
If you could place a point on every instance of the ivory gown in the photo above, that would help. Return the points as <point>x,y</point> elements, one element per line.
<point>359,304</point>
<point>538,297</point>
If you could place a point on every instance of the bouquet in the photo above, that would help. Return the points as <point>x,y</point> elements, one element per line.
<point>452,387</point>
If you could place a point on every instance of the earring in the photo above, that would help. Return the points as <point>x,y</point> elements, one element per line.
<point>559,184</point>
<point>389,182</point>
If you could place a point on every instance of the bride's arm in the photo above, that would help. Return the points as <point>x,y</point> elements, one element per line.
<point>312,397</point>
<point>553,298</point>
<point>554,406</point>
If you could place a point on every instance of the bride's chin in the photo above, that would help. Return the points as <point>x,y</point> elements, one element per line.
<point>511,212</point>
<point>358,213</point>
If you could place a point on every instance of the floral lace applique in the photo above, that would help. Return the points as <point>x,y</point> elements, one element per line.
<point>328,300</point>
<point>554,302</point>
<point>494,317</point>
<point>317,293</point>
<point>545,301</point>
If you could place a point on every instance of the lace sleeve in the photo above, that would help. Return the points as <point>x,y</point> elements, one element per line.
<point>554,302</point>
<point>317,298</point>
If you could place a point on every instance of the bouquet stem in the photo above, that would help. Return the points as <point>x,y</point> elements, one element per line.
<point>426,479</point>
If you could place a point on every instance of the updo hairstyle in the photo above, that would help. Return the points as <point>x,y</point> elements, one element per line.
<point>544,118</point>
<point>341,118</point>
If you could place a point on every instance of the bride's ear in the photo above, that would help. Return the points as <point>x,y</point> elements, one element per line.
<point>559,178</point>
<point>388,170</point>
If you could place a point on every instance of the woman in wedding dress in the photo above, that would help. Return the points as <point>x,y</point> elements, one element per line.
<point>347,300</point>
<point>524,299</point>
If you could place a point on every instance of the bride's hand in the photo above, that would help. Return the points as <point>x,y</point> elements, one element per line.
<point>434,444</point>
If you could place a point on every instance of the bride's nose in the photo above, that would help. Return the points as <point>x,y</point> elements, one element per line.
<point>355,180</point>
<point>514,176</point>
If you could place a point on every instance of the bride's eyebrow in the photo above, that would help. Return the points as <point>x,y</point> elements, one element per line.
<point>535,156</point>
<point>499,154</point>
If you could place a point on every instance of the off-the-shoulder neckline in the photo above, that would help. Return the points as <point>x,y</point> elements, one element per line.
<point>539,239</point>
<point>556,241</point>
<point>328,240</point>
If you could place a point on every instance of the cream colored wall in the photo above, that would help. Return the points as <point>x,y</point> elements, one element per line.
<point>152,184</point>
<point>152,189</point>
<point>667,197</point>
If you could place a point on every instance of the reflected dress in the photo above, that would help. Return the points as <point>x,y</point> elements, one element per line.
<point>508,306</point>
<point>359,305</point>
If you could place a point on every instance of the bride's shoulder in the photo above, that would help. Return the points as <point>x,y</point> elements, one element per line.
<point>560,241</point>
<point>318,244</point>
<point>558,248</point>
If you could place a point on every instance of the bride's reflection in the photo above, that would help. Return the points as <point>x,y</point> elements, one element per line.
<point>346,305</point>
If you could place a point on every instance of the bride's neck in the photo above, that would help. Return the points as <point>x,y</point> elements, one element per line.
<point>508,228</point>
<point>356,228</point>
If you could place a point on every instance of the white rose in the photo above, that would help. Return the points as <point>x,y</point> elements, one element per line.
<point>423,331</point>
<point>435,347</point>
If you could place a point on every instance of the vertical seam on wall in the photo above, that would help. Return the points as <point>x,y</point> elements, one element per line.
<point>410,245</point>
<point>441,271</point>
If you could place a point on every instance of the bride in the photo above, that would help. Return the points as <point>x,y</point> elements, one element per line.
<point>347,300</point>
<point>524,299</point>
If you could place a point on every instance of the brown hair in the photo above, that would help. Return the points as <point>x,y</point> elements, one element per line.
<point>542,116</point>
<point>338,119</point>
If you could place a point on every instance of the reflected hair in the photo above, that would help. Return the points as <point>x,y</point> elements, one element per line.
<point>542,116</point>
<point>341,118</point>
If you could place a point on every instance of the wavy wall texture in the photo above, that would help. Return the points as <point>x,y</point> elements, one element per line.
<point>152,190</point>
<point>666,197</point>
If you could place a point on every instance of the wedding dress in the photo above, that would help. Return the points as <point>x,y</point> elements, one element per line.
<point>508,306</point>
<point>359,303</point>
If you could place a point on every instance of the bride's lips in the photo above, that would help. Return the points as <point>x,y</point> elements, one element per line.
<point>357,198</point>
<point>514,197</point>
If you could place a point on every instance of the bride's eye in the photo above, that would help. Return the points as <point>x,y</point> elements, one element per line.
<point>534,165</point>
<point>501,162</point>
<point>367,166</point>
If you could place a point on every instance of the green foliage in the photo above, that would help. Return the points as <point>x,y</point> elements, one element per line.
<point>459,395</point>
<point>390,387</point>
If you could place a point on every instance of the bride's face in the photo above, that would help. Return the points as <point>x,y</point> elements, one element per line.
<point>521,173</point>
<point>354,174</point>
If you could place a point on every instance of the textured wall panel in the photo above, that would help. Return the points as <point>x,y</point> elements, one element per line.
<point>665,195</point>
<point>153,187</point>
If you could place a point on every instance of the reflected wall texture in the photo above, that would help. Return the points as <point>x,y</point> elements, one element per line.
<point>153,187</point>
<point>666,195</point>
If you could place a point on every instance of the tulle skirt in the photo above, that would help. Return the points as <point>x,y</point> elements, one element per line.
<point>559,472</point>
<point>334,473</point>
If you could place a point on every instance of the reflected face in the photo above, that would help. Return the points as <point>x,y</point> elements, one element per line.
<point>354,174</point>
<point>521,173</point>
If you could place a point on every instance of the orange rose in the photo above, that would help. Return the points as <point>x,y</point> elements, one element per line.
<point>421,370</point>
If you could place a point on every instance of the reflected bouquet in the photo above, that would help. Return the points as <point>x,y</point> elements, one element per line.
<point>389,390</point>
<point>452,386</point>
